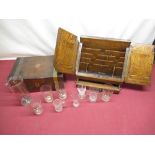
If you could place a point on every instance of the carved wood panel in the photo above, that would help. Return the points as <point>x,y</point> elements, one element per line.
<point>139,66</point>
<point>66,52</point>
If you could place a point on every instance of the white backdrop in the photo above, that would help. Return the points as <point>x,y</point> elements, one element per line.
<point>19,37</point>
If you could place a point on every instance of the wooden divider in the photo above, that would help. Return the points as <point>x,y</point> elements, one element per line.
<point>102,61</point>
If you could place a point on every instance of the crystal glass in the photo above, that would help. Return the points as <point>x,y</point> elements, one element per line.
<point>46,91</point>
<point>62,94</point>
<point>75,100</point>
<point>92,95</point>
<point>58,105</point>
<point>106,95</point>
<point>82,91</point>
<point>16,85</point>
<point>36,105</point>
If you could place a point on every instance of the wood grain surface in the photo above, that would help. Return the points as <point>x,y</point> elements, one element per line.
<point>140,62</point>
<point>37,71</point>
<point>66,52</point>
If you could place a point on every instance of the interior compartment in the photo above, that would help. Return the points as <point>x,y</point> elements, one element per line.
<point>104,57</point>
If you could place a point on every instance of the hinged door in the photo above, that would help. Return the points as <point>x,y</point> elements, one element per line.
<point>139,64</point>
<point>66,52</point>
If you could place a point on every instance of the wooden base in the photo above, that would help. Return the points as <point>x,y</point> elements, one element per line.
<point>116,89</point>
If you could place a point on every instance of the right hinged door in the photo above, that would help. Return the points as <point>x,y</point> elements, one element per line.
<point>139,64</point>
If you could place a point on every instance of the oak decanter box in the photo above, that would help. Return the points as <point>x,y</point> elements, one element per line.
<point>101,62</point>
<point>36,71</point>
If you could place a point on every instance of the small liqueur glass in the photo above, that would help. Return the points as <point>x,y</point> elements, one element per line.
<point>36,105</point>
<point>106,95</point>
<point>16,85</point>
<point>46,91</point>
<point>58,105</point>
<point>62,94</point>
<point>93,95</point>
<point>82,91</point>
<point>75,100</point>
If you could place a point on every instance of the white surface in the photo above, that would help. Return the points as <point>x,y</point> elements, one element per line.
<point>38,37</point>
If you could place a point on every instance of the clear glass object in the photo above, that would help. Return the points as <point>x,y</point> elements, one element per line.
<point>93,95</point>
<point>16,85</point>
<point>36,105</point>
<point>46,91</point>
<point>62,94</point>
<point>82,91</point>
<point>58,105</point>
<point>75,100</point>
<point>106,95</point>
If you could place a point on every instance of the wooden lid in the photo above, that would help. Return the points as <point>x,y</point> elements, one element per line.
<point>66,52</point>
<point>37,67</point>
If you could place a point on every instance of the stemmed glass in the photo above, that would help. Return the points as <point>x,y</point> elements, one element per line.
<point>16,85</point>
<point>82,91</point>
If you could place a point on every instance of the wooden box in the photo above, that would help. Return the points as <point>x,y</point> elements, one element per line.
<point>101,62</point>
<point>36,71</point>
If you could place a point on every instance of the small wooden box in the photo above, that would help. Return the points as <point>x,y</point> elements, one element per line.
<point>37,71</point>
<point>101,62</point>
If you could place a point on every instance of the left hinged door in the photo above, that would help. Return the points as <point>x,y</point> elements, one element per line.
<point>139,64</point>
<point>66,52</point>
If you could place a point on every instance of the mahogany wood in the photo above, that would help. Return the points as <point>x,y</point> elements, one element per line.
<point>36,71</point>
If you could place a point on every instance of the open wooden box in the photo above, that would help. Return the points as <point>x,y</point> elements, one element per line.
<point>101,62</point>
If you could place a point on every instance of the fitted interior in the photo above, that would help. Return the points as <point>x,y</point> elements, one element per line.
<point>104,60</point>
